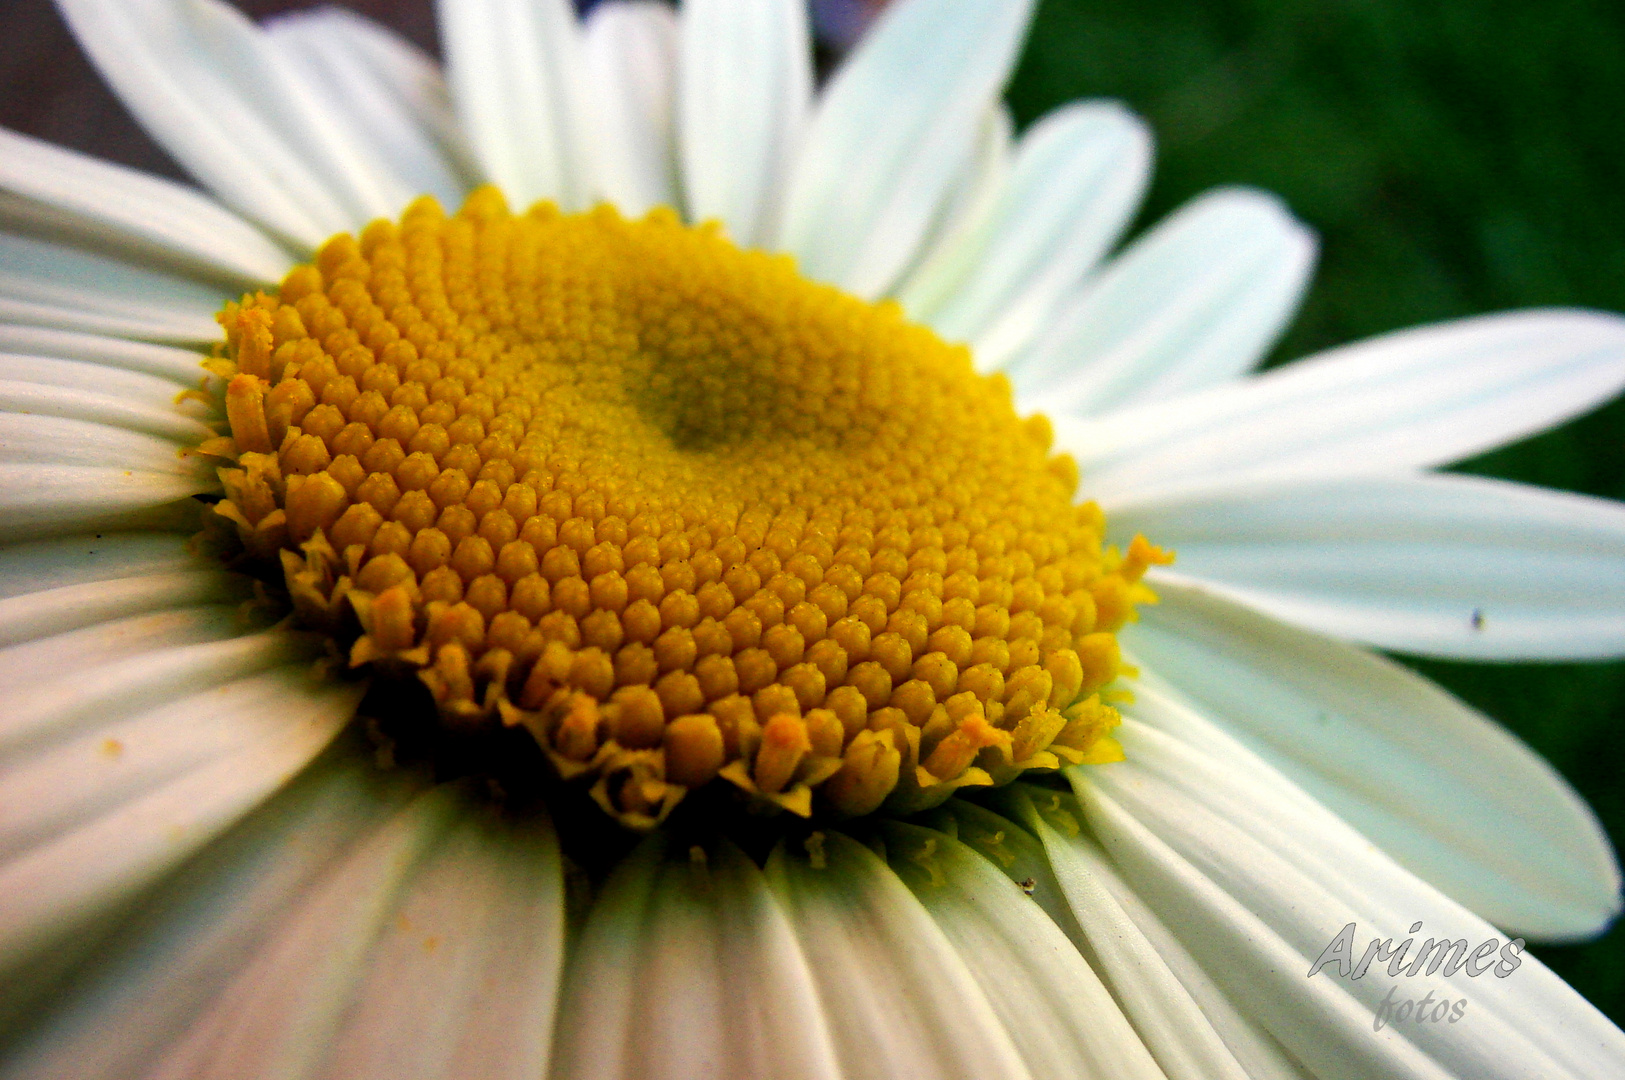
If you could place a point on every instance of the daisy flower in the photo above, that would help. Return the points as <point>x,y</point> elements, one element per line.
<point>650,578</point>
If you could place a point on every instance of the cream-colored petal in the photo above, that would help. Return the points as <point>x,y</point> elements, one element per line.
<point>1257,880</point>
<point>688,968</point>
<point>1439,786</point>
<point>181,366</point>
<point>148,219</point>
<point>1410,399</point>
<point>898,999</point>
<point>516,78</point>
<point>630,54</point>
<point>134,799</point>
<point>894,128</point>
<point>1060,1016</point>
<point>383,92</point>
<point>744,91</point>
<point>45,284</point>
<point>1075,181</point>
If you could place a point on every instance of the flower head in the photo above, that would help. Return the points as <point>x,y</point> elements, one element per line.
<point>558,625</point>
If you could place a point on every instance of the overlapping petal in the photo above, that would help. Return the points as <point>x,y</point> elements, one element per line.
<point>630,57</point>
<point>1440,787</point>
<point>1441,565</point>
<point>516,75</point>
<point>1410,399</point>
<point>745,87</point>
<point>893,129</point>
<point>1257,879</point>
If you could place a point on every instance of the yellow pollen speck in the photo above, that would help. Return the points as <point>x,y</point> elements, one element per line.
<point>675,510</point>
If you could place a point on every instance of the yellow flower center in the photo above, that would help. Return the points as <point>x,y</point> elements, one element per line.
<point>679,512</point>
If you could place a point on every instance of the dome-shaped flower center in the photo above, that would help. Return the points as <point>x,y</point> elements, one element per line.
<point>678,511</point>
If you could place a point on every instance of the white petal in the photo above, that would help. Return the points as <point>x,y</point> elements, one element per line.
<point>898,999</point>
<point>1442,788</point>
<point>214,91</point>
<point>68,607</point>
<point>515,71</point>
<point>58,440</point>
<point>154,976</point>
<point>193,767</point>
<point>745,84</point>
<point>56,684</point>
<point>895,126</point>
<point>630,55</point>
<point>70,758</point>
<point>78,388</point>
<point>1257,880</point>
<point>81,560</point>
<point>1077,177</point>
<point>62,694</point>
<point>687,967</point>
<point>1185,1033</point>
<point>383,92</point>
<point>961,230</point>
<point>178,365</point>
<point>48,285</point>
<point>1063,1021</point>
<point>157,220</point>
<point>162,420</point>
<point>1405,400</point>
<point>38,500</point>
<point>1194,303</point>
<point>1442,565</point>
<point>461,982</point>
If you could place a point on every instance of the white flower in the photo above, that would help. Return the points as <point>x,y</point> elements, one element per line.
<point>202,871</point>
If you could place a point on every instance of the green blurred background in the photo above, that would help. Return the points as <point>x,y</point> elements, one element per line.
<point>1456,157</point>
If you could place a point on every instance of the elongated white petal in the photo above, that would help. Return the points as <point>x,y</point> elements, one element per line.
<point>154,976</point>
<point>58,440</point>
<point>630,56</point>
<point>687,967</point>
<point>1439,786</point>
<point>125,210</point>
<point>896,125</point>
<point>192,768</point>
<point>49,285</point>
<point>49,500</point>
<point>1257,880</point>
<point>1194,303</point>
<point>55,683</point>
<point>1187,1024</point>
<point>382,92</point>
<point>71,762</point>
<point>1410,399</point>
<point>84,603</point>
<point>1061,1018</point>
<point>515,72</point>
<point>368,939</point>
<point>460,977</point>
<point>898,999</point>
<point>59,699</point>
<point>218,95</point>
<point>1442,565</point>
<point>82,560</point>
<point>957,238</point>
<point>58,387</point>
<point>165,361</point>
<point>103,409</point>
<point>745,84</point>
<point>1077,177</point>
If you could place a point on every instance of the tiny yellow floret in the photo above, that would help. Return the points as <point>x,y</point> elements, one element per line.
<point>680,513</point>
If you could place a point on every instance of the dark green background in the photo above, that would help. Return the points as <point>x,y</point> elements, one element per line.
<point>1456,157</point>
